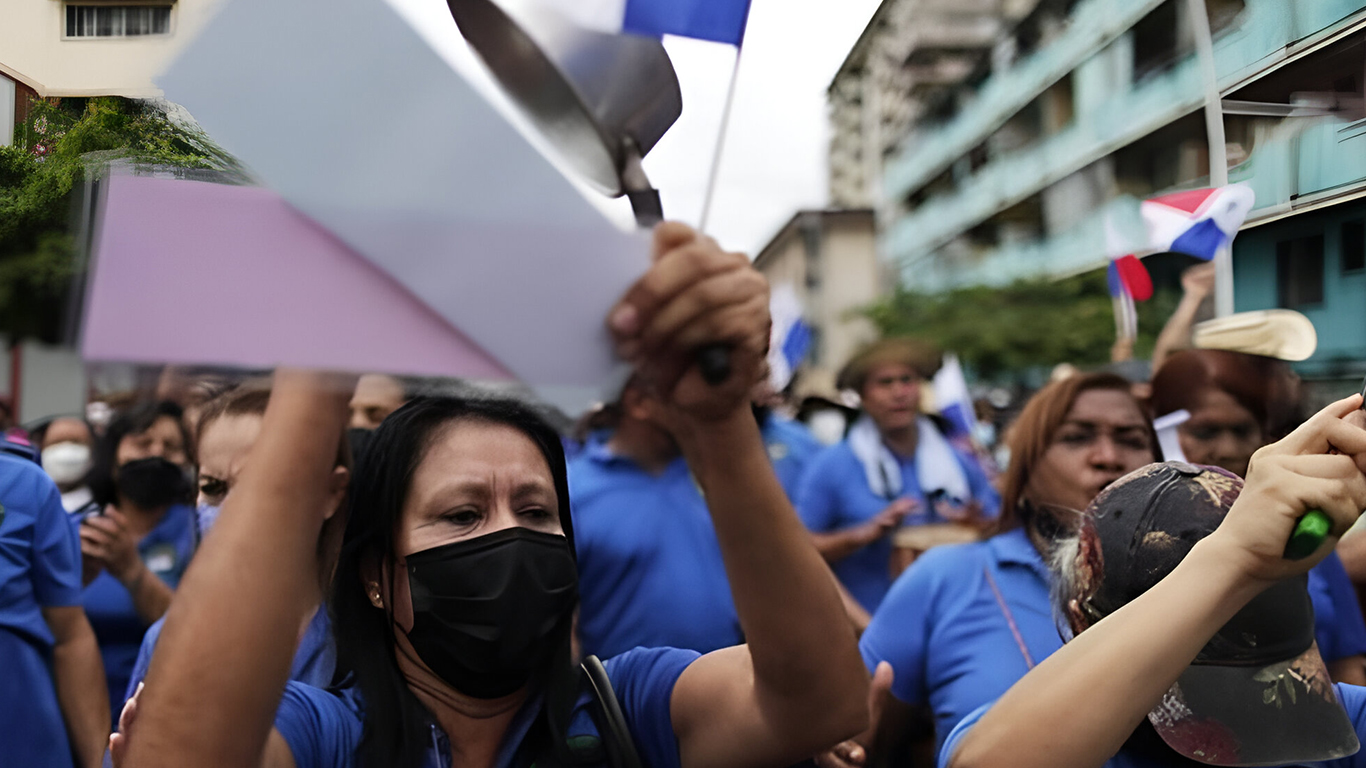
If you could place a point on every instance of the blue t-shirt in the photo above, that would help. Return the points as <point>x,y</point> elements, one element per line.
<point>323,729</point>
<point>835,495</point>
<point>166,551</point>
<point>1338,625</point>
<point>1353,699</point>
<point>650,568</point>
<point>314,661</point>
<point>791,448</point>
<point>945,634</point>
<point>40,567</point>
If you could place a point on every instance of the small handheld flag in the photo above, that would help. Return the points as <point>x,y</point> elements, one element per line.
<point>1197,222</point>
<point>952,398</point>
<point>791,336</point>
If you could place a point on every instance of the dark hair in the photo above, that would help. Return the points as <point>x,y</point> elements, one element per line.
<point>1032,433</point>
<point>395,724</point>
<point>1259,384</point>
<point>133,421</point>
<point>38,434</point>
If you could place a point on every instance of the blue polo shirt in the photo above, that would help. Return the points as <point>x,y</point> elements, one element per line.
<point>166,551</point>
<point>40,567</point>
<point>323,729</point>
<point>1353,699</point>
<point>790,447</point>
<point>1338,624</point>
<point>834,495</point>
<point>650,568</point>
<point>945,634</point>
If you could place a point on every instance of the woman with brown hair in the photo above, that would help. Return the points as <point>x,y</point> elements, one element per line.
<point>1237,403</point>
<point>963,623</point>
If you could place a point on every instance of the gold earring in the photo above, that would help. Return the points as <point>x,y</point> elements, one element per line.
<point>374,595</point>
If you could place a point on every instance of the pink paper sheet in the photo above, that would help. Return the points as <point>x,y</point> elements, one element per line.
<point>196,273</point>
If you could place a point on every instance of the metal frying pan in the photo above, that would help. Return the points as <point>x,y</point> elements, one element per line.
<point>602,101</point>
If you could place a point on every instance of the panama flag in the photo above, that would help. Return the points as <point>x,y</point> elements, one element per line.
<point>1198,222</point>
<point>1128,280</point>
<point>721,21</point>
<point>952,398</point>
<point>790,339</point>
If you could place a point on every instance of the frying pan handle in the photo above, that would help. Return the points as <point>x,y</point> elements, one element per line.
<point>646,206</point>
<point>713,359</point>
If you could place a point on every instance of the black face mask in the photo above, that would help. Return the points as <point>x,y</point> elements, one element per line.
<point>152,483</point>
<point>486,611</point>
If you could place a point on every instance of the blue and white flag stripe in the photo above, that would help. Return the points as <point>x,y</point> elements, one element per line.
<point>952,397</point>
<point>721,21</point>
<point>791,336</point>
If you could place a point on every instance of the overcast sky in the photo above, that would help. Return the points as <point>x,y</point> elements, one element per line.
<point>774,159</point>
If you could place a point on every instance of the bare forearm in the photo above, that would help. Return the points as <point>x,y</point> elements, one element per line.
<point>246,593</point>
<point>151,596</point>
<point>1139,650</point>
<point>834,546</point>
<point>79,676</point>
<point>799,637</point>
<point>1176,334</point>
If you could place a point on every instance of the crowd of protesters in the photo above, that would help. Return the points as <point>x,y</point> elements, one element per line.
<point>307,569</point>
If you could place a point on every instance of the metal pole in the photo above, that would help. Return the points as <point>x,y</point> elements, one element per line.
<point>1218,150</point>
<point>720,144</point>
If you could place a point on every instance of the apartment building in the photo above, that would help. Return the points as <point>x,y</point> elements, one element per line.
<point>1084,106</point>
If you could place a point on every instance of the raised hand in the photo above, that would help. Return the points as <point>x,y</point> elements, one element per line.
<point>107,541</point>
<point>694,295</point>
<point>1318,466</point>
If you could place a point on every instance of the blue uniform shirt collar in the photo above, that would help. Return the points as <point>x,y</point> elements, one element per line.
<point>598,448</point>
<point>1014,547</point>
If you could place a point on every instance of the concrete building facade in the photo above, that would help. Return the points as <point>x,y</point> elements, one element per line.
<point>1086,106</point>
<point>910,57</point>
<point>830,259</point>
<point>95,47</point>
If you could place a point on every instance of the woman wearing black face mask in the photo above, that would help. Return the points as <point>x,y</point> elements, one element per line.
<point>138,535</point>
<point>457,585</point>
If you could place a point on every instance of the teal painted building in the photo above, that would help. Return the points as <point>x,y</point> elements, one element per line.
<point>1092,105</point>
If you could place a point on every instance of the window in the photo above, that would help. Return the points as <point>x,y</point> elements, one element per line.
<point>1353,245</point>
<point>1155,41</point>
<point>1299,271</point>
<point>117,20</point>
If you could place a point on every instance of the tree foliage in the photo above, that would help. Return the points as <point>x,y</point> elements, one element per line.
<point>1002,332</point>
<point>57,145</point>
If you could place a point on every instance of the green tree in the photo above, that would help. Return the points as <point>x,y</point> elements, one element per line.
<point>57,145</point>
<point>1002,332</point>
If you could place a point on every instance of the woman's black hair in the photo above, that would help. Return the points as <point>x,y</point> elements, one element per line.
<point>396,723</point>
<point>134,421</point>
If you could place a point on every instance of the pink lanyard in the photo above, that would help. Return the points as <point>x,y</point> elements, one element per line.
<point>1010,618</point>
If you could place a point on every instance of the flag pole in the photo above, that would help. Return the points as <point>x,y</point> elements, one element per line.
<point>1218,150</point>
<point>720,143</point>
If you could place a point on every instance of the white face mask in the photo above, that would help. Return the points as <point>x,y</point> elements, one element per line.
<point>66,463</point>
<point>827,426</point>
